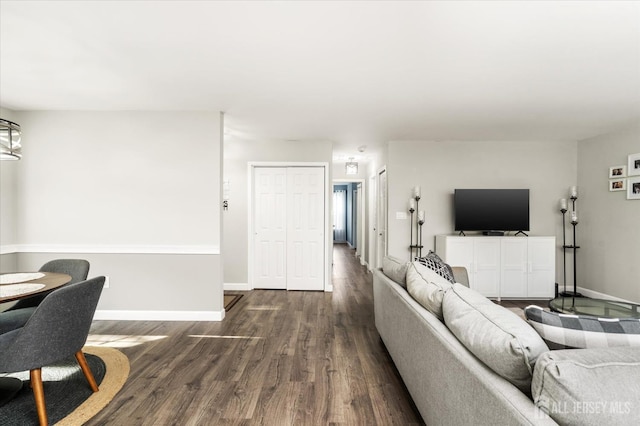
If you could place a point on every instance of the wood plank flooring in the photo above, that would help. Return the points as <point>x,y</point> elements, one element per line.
<point>278,358</point>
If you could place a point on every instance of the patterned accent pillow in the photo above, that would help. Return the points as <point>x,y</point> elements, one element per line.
<point>435,263</point>
<point>564,331</point>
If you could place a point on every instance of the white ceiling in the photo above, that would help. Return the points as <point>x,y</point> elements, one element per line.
<point>356,73</point>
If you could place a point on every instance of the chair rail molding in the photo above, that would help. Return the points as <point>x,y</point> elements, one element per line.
<point>110,249</point>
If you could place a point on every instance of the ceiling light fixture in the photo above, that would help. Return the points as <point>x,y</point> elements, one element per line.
<point>10,134</point>
<point>351,167</point>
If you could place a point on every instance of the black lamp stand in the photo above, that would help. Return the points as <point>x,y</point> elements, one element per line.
<point>417,246</point>
<point>573,247</point>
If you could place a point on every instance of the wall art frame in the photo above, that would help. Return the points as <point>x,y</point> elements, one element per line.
<point>617,172</point>
<point>633,188</point>
<point>633,168</point>
<point>617,185</point>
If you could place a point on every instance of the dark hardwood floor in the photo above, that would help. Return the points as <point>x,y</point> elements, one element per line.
<point>278,358</point>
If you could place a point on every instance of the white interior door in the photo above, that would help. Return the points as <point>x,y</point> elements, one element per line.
<point>373,226</point>
<point>381,250</point>
<point>305,230</point>
<point>289,228</point>
<point>270,228</point>
<point>360,222</point>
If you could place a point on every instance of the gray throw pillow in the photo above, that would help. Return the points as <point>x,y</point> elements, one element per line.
<point>395,269</point>
<point>589,386</point>
<point>427,287</point>
<point>562,331</point>
<point>495,335</point>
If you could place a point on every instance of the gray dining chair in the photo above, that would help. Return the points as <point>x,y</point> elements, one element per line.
<point>17,315</point>
<point>57,329</point>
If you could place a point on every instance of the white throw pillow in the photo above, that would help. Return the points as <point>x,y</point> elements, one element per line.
<point>497,336</point>
<point>427,287</point>
<point>395,269</point>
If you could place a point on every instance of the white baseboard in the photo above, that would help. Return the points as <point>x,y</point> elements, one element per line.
<point>236,286</point>
<point>597,295</point>
<point>158,315</point>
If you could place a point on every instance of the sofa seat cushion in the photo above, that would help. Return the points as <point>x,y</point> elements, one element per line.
<point>495,335</point>
<point>562,331</point>
<point>427,287</point>
<point>395,269</point>
<point>589,386</point>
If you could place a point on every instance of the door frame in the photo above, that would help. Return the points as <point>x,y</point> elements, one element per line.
<point>328,237</point>
<point>361,214</point>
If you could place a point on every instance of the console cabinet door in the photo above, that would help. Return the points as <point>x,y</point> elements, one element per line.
<point>514,272</point>
<point>486,266</point>
<point>542,267</point>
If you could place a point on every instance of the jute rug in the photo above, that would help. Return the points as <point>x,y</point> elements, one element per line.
<point>231,299</point>
<point>111,368</point>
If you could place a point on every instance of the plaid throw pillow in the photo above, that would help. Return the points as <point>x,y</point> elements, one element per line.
<point>433,262</point>
<point>564,331</point>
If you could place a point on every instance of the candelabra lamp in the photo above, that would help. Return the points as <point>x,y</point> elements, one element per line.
<point>573,195</point>
<point>415,247</point>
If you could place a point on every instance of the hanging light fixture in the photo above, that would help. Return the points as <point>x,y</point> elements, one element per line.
<point>351,167</point>
<point>10,147</point>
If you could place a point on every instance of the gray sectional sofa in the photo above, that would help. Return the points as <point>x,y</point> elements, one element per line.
<point>452,386</point>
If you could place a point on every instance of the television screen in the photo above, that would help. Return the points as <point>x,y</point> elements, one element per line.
<point>491,209</point>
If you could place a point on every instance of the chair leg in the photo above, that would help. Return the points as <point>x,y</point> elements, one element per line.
<point>87,371</point>
<point>38,395</point>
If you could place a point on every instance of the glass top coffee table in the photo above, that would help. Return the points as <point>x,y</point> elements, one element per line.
<point>595,307</point>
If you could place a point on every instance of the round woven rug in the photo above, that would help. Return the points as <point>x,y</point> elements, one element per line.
<point>67,394</point>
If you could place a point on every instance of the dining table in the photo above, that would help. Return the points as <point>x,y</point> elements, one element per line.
<point>20,285</point>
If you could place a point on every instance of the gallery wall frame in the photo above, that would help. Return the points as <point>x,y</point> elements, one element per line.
<point>617,184</point>
<point>633,188</point>
<point>616,172</point>
<point>633,167</point>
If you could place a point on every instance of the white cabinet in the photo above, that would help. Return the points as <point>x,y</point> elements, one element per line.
<point>511,267</point>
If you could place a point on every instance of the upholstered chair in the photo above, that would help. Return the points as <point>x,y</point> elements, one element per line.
<point>57,329</point>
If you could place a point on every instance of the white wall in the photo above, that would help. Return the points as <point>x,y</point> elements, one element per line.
<point>609,231</point>
<point>117,185</point>
<point>546,168</point>
<point>8,205</point>
<point>237,155</point>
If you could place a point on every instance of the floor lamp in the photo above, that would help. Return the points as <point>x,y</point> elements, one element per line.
<point>413,207</point>
<point>573,194</point>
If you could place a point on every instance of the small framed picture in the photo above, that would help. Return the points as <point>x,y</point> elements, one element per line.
<point>634,165</point>
<point>617,172</point>
<point>617,185</point>
<point>633,188</point>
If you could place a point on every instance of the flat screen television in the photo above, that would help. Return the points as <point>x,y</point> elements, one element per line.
<point>490,210</point>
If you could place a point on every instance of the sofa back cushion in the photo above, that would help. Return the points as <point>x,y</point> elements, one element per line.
<point>395,269</point>
<point>589,387</point>
<point>495,335</point>
<point>427,287</point>
<point>562,331</point>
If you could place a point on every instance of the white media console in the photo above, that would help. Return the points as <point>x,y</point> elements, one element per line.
<point>504,267</point>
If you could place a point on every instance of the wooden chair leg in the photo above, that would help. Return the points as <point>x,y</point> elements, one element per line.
<point>87,371</point>
<point>38,395</point>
